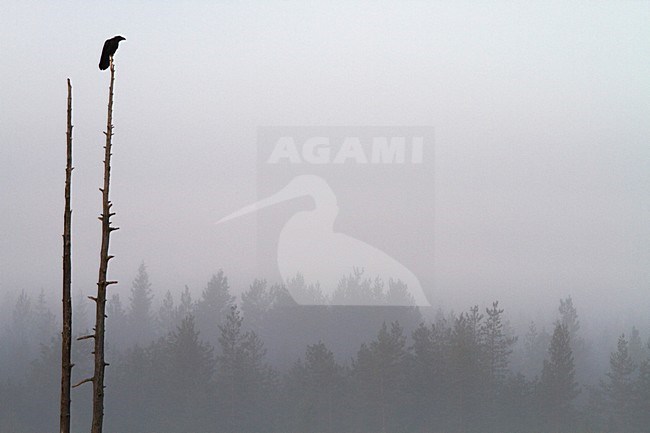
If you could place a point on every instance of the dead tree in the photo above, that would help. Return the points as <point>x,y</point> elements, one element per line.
<point>102,283</point>
<point>66,333</point>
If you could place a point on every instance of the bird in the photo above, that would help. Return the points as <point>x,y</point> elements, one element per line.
<point>309,245</point>
<point>110,46</point>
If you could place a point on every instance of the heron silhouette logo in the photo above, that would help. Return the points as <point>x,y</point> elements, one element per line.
<point>309,246</point>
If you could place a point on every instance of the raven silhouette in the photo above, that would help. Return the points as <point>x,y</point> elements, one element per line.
<point>110,46</point>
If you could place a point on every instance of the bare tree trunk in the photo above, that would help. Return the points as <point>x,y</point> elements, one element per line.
<point>66,340</point>
<point>102,283</point>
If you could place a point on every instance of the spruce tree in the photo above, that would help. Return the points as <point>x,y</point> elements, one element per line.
<point>243,378</point>
<point>558,386</point>
<point>324,381</point>
<point>380,372</point>
<point>256,302</point>
<point>189,366</point>
<point>642,406</point>
<point>428,376</point>
<point>497,344</point>
<point>467,371</point>
<point>187,307</point>
<point>496,349</point>
<point>619,387</point>
<point>569,317</point>
<point>636,349</point>
<point>139,315</point>
<point>214,306</point>
<point>167,314</point>
<point>315,389</point>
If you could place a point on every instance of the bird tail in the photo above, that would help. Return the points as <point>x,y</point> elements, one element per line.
<point>104,62</point>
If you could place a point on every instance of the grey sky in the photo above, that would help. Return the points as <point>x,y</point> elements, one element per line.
<point>542,140</point>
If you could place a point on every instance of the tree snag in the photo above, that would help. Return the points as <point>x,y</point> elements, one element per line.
<point>102,283</point>
<point>66,333</point>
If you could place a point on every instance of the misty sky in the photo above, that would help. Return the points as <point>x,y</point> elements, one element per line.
<point>540,112</point>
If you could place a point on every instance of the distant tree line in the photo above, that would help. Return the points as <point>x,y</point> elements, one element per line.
<point>266,364</point>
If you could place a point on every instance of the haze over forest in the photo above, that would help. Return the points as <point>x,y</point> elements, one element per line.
<point>531,187</point>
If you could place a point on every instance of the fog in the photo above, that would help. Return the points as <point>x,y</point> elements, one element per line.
<point>532,185</point>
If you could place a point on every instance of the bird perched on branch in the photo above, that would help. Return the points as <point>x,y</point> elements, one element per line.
<point>110,46</point>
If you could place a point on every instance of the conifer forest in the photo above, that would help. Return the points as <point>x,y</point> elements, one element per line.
<point>324,216</point>
<point>207,362</point>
